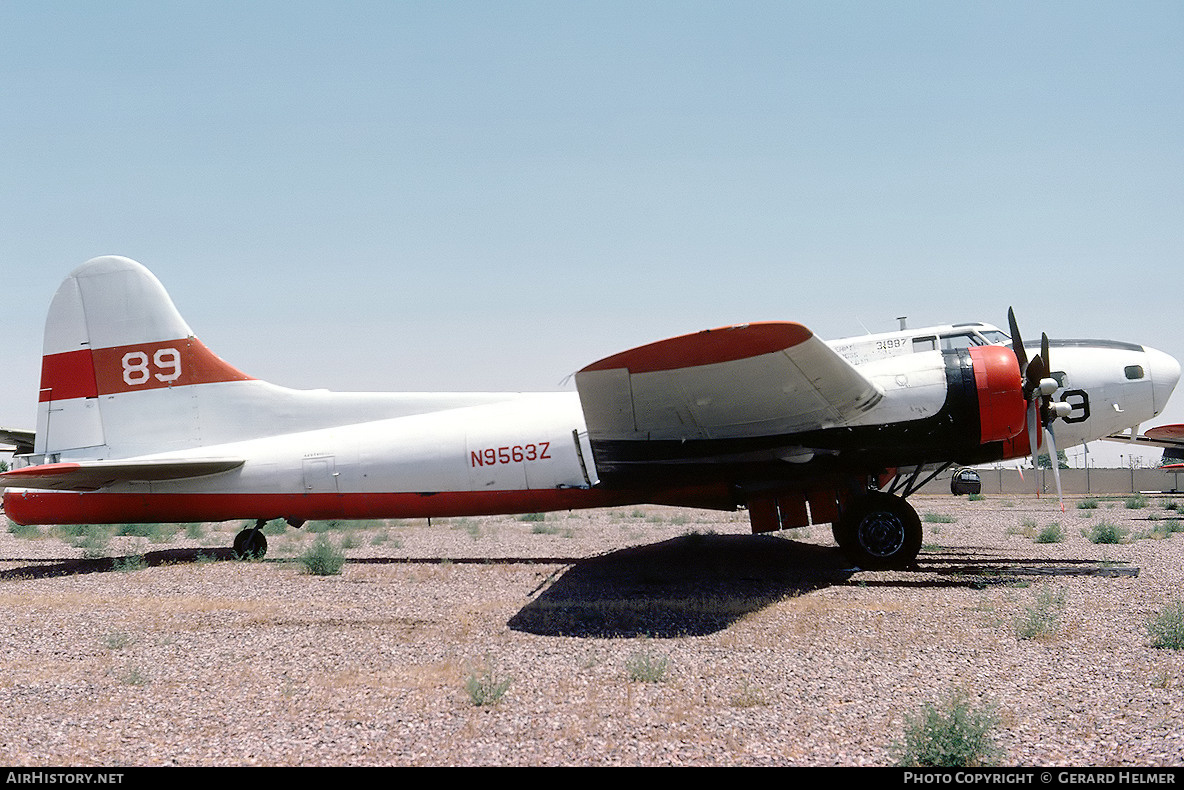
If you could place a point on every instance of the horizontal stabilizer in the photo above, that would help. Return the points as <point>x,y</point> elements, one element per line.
<point>92,475</point>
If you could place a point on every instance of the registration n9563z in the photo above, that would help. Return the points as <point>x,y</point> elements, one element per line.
<point>512,454</point>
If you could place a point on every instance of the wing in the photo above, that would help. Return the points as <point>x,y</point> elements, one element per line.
<point>734,390</point>
<point>92,475</point>
<point>21,440</point>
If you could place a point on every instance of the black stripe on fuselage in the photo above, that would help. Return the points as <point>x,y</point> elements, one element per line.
<point>950,435</point>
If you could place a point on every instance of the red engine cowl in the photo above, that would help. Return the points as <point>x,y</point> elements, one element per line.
<point>1001,405</point>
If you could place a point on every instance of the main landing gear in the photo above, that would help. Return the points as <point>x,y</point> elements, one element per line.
<point>251,543</point>
<point>879,531</point>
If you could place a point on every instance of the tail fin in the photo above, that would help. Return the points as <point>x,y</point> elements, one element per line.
<point>117,366</point>
<point>123,376</point>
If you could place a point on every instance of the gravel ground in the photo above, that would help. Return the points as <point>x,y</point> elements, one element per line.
<point>770,650</point>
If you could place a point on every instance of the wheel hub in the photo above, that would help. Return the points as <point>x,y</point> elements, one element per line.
<point>881,533</point>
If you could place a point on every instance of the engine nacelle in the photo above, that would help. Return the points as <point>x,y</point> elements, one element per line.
<point>986,387</point>
<point>1002,409</point>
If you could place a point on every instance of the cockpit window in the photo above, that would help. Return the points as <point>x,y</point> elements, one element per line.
<point>954,342</point>
<point>1133,372</point>
<point>994,336</point>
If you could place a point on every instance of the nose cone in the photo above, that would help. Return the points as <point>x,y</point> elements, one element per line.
<point>1165,372</point>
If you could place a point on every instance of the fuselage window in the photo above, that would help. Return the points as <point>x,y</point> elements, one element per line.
<point>924,344</point>
<point>1133,372</point>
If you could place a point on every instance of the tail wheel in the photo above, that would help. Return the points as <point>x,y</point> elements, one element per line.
<point>880,531</point>
<point>250,544</point>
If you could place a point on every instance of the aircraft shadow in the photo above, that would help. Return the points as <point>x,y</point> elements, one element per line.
<point>701,584</point>
<point>691,585</point>
<point>687,586</point>
<point>71,567</point>
<point>977,569</point>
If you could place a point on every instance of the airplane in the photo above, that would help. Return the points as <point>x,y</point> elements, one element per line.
<point>1168,437</point>
<point>139,422</point>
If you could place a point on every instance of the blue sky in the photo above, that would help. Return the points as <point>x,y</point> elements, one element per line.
<point>477,195</point>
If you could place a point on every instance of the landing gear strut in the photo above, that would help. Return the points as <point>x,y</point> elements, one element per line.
<point>251,544</point>
<point>879,531</point>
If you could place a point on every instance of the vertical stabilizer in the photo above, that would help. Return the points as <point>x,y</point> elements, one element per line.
<point>123,376</point>
<point>116,358</point>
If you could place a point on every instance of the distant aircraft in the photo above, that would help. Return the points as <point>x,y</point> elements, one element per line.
<point>1168,437</point>
<point>139,422</point>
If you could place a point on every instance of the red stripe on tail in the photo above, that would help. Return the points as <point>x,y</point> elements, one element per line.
<point>143,366</point>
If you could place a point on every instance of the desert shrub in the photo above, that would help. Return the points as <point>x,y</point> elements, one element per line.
<point>1167,627</point>
<point>117,640</point>
<point>323,558</point>
<point>1051,533</point>
<point>136,562</point>
<point>1105,532</point>
<point>485,688</point>
<point>952,734</point>
<point>1136,501</point>
<point>271,528</point>
<point>748,696</point>
<point>157,533</point>
<point>1087,504</point>
<point>134,675</point>
<point>24,530</point>
<point>1163,529</point>
<point>1042,617</point>
<point>645,667</point>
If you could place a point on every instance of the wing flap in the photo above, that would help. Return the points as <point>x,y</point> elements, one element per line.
<point>744,381</point>
<point>93,475</point>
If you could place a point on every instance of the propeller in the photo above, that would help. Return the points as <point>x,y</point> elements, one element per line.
<point>1038,387</point>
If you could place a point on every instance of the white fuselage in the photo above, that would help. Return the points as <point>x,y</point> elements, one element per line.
<point>361,455</point>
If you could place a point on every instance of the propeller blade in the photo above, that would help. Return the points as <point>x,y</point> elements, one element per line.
<point>1017,342</point>
<point>1037,390</point>
<point>1037,370</point>
<point>1056,465</point>
<point>1033,439</point>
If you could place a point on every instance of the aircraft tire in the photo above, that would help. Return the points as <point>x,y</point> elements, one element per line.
<point>250,544</point>
<point>880,532</point>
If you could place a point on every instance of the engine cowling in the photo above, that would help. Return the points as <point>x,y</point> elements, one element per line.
<point>1001,406</point>
<point>1002,409</point>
